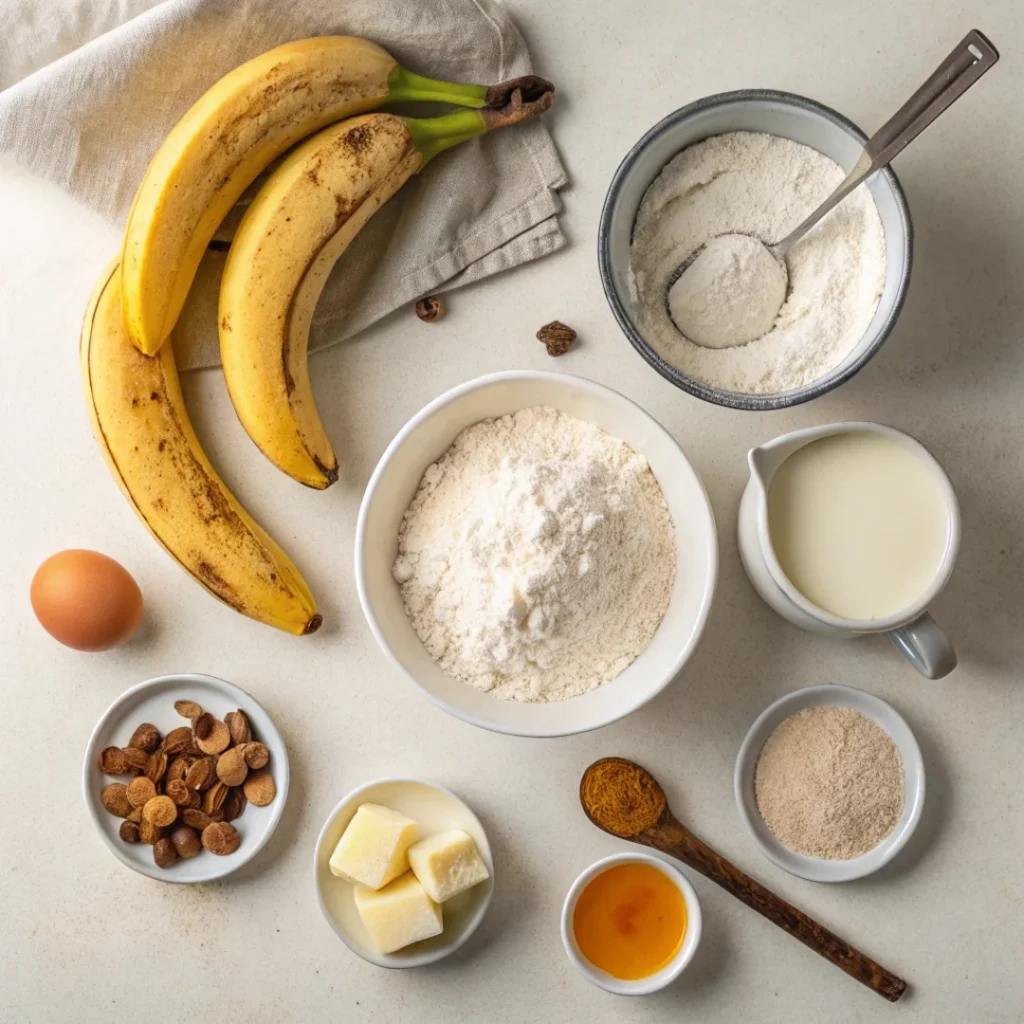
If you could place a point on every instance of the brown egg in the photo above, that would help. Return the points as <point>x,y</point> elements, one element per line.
<point>86,600</point>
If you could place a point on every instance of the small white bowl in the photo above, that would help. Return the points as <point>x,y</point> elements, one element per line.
<point>672,970</point>
<point>153,701</point>
<point>436,809</point>
<point>817,869</point>
<point>395,480</point>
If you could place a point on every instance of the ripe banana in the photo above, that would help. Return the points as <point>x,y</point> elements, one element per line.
<point>295,230</point>
<point>232,132</point>
<point>139,418</point>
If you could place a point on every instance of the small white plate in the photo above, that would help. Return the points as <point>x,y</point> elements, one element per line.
<point>153,701</point>
<point>672,970</point>
<point>817,869</point>
<point>436,809</point>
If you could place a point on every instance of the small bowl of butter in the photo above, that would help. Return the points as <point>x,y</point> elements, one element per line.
<point>403,872</point>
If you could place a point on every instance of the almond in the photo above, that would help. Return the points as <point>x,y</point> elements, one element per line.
<point>141,790</point>
<point>188,708</point>
<point>231,766</point>
<point>260,788</point>
<point>160,811</point>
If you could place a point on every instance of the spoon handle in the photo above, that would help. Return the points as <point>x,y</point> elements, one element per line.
<point>670,837</point>
<point>968,61</point>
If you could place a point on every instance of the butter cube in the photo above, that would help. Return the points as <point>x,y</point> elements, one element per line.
<point>373,849</point>
<point>399,914</point>
<point>447,864</point>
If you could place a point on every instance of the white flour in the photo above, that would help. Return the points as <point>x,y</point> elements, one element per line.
<point>538,556</point>
<point>760,185</point>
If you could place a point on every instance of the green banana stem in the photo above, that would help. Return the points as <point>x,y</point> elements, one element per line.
<point>433,135</point>
<point>404,85</point>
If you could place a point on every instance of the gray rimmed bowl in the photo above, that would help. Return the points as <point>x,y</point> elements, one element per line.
<point>775,113</point>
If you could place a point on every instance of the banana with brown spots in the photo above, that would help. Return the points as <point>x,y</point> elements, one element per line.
<point>139,418</point>
<point>298,226</point>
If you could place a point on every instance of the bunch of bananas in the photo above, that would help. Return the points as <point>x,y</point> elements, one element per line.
<point>301,221</point>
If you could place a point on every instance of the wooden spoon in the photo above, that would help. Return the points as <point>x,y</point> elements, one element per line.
<point>625,800</point>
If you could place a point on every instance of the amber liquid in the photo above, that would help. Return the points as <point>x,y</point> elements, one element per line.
<point>630,921</point>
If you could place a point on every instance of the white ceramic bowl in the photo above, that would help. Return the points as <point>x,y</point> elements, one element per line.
<point>817,869</point>
<point>395,480</point>
<point>436,809</point>
<point>776,113</point>
<point>672,970</point>
<point>153,701</point>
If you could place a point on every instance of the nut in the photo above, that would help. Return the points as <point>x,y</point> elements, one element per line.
<point>221,838</point>
<point>160,811</point>
<point>134,815</point>
<point>129,832</point>
<point>238,727</point>
<point>234,804</point>
<point>149,833</point>
<point>115,799</point>
<point>231,766</point>
<point>164,853</point>
<point>157,767</point>
<point>557,337</point>
<point>186,841</point>
<point>430,309</point>
<point>200,774</point>
<point>188,708</point>
<point>141,790</point>
<point>136,758</point>
<point>177,741</point>
<point>180,793</point>
<point>176,770</point>
<point>195,818</point>
<point>215,797</point>
<point>146,737</point>
<point>260,788</point>
<point>113,761</point>
<point>256,755</point>
<point>211,734</point>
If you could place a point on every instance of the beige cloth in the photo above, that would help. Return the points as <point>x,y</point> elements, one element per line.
<point>91,120</point>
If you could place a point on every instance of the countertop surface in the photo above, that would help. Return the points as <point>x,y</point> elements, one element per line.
<point>84,939</point>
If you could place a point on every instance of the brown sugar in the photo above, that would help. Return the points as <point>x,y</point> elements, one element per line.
<point>829,783</point>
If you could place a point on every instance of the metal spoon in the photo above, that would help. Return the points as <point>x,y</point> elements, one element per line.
<point>969,60</point>
<point>622,798</point>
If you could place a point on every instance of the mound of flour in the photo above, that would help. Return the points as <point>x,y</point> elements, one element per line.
<point>538,556</point>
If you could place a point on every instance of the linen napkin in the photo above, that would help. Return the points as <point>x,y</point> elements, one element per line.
<point>91,119</point>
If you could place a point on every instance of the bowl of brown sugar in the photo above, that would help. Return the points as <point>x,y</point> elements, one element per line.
<point>829,782</point>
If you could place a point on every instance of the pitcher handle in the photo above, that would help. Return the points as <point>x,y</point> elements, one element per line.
<point>925,646</point>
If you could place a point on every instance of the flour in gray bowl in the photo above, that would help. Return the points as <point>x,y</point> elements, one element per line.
<point>762,185</point>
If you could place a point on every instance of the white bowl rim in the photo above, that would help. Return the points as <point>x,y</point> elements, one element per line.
<point>817,869</point>
<point>431,956</point>
<point>687,949</point>
<point>717,396</point>
<point>584,383</point>
<point>220,867</point>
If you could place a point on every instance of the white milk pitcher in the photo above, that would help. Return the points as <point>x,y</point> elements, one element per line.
<point>912,630</point>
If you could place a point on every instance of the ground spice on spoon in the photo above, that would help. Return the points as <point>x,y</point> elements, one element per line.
<point>829,783</point>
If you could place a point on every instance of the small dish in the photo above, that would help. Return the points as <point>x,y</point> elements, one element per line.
<point>774,113</point>
<point>672,970</point>
<point>153,701</point>
<point>436,809</point>
<point>886,717</point>
<point>394,482</point>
